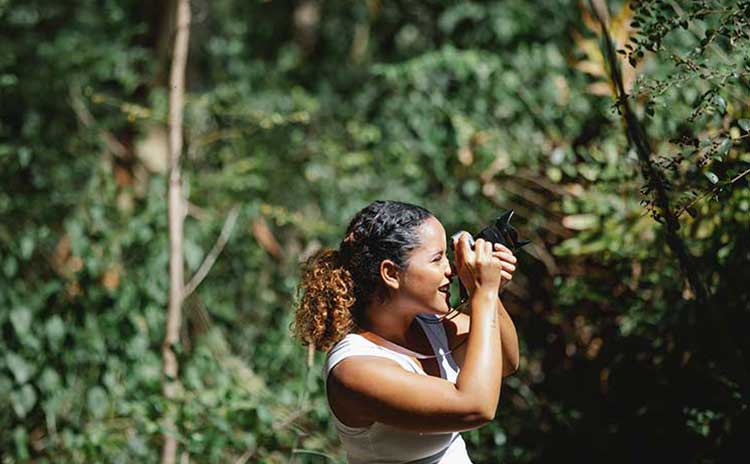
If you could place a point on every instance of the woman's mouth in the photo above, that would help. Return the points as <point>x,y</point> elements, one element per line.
<point>445,289</point>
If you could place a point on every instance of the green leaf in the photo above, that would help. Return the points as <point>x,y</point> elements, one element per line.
<point>24,156</point>
<point>500,438</point>
<point>10,266</point>
<point>470,187</point>
<point>712,177</point>
<point>744,124</point>
<point>21,369</point>
<point>55,329</point>
<point>193,254</point>
<point>554,174</point>
<point>724,147</point>
<point>21,440</point>
<point>7,80</point>
<point>97,403</point>
<point>49,381</point>
<point>6,386</point>
<point>27,246</point>
<point>20,317</point>
<point>23,400</point>
<point>721,104</point>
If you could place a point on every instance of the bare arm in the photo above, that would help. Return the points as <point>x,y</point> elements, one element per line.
<point>481,374</point>
<point>458,327</point>
<point>457,330</point>
<point>508,340</point>
<point>428,404</point>
<point>507,328</point>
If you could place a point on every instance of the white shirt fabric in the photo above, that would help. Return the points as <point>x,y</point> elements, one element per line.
<point>380,443</point>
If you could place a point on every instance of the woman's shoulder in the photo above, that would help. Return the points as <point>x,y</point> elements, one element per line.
<point>355,345</point>
<point>351,343</point>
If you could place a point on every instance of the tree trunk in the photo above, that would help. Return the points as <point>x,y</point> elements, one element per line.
<point>176,219</point>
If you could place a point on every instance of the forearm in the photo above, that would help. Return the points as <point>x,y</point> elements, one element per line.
<point>508,340</point>
<point>508,337</point>
<point>481,373</point>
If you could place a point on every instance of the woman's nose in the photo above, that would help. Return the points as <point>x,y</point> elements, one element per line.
<point>450,270</point>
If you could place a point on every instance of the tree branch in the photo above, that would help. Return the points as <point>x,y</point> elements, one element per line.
<point>655,179</point>
<point>176,220</point>
<point>87,119</point>
<point>210,259</point>
<point>712,191</point>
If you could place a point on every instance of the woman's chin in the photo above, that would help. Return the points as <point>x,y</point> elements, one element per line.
<point>448,307</point>
<point>444,307</point>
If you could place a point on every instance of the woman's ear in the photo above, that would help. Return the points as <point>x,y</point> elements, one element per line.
<point>390,273</point>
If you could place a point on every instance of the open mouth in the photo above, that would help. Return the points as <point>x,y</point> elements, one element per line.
<point>445,289</point>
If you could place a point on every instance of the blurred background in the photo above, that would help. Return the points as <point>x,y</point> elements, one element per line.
<point>626,168</point>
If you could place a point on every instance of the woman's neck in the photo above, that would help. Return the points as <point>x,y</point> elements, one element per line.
<point>392,323</point>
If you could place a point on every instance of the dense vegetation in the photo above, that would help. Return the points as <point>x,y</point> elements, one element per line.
<point>300,113</point>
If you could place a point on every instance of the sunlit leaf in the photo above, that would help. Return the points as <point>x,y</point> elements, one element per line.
<point>21,369</point>
<point>97,402</point>
<point>20,317</point>
<point>724,147</point>
<point>23,400</point>
<point>721,104</point>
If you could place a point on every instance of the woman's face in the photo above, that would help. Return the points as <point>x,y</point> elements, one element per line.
<point>425,283</point>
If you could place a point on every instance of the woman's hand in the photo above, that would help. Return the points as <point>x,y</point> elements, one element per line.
<point>466,262</point>
<point>508,260</point>
<point>478,268</point>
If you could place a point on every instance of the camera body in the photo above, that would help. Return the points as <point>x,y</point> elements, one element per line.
<point>500,231</point>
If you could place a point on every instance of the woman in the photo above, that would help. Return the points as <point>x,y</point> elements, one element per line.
<point>401,382</point>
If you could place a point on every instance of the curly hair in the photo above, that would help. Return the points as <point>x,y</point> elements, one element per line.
<point>338,285</point>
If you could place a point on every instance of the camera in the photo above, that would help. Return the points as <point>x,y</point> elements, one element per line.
<point>500,231</point>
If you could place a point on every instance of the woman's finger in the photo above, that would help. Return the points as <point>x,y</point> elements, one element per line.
<point>500,246</point>
<point>463,250</point>
<point>506,276</point>
<point>509,257</point>
<point>480,247</point>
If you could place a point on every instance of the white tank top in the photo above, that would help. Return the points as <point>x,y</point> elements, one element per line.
<point>380,443</point>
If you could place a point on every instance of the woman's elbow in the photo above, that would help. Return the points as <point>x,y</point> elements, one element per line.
<point>515,365</point>
<point>482,413</point>
<point>489,410</point>
<point>488,415</point>
<point>511,367</point>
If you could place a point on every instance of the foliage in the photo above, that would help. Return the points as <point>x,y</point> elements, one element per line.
<point>300,114</point>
